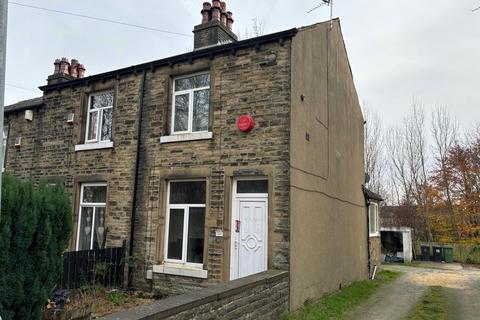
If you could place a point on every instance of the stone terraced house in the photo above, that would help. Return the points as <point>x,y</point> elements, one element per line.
<point>216,164</point>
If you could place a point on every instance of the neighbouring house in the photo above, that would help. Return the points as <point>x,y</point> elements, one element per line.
<point>373,201</point>
<point>216,164</point>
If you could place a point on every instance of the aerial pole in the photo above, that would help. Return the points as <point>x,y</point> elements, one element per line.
<point>3,58</point>
<point>325,3</point>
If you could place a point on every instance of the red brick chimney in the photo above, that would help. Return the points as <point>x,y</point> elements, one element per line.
<point>216,26</point>
<point>66,70</point>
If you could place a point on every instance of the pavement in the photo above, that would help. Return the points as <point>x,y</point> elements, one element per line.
<point>395,300</point>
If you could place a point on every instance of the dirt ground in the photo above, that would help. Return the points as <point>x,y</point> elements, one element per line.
<point>395,301</point>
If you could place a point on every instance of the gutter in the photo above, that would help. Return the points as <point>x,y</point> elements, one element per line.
<point>137,169</point>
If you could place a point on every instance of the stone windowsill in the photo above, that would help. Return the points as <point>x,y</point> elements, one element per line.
<point>94,146</point>
<point>374,235</point>
<point>179,270</point>
<point>186,137</point>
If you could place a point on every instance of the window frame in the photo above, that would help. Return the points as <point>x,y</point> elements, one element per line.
<point>99,111</point>
<point>375,219</point>
<point>5,141</point>
<point>191,94</point>
<point>186,217</point>
<point>93,205</point>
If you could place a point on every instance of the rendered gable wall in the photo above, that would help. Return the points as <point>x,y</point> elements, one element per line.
<point>328,222</point>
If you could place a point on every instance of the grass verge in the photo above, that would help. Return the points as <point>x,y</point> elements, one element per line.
<point>337,305</point>
<point>433,305</point>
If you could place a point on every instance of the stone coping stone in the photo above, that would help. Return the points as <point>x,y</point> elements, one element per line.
<point>165,308</point>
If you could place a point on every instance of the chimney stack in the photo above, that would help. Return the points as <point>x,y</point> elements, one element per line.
<point>66,70</point>
<point>216,26</point>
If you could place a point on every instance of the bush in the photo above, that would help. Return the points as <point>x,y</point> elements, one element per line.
<point>35,227</point>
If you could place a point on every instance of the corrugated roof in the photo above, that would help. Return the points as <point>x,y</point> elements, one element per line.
<point>25,104</point>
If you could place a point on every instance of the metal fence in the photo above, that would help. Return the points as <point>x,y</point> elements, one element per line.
<point>103,267</point>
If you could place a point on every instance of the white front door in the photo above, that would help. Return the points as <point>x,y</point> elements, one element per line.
<point>249,233</point>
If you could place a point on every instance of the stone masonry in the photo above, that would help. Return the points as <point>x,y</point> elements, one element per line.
<point>262,296</point>
<point>303,115</point>
<point>241,83</point>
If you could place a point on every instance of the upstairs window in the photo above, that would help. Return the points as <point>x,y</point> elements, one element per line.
<point>374,220</point>
<point>191,98</point>
<point>99,117</point>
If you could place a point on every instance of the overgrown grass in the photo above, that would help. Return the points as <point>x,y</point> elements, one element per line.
<point>432,306</point>
<point>104,301</point>
<point>337,305</point>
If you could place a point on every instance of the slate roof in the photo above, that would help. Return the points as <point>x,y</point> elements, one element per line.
<point>370,195</point>
<point>209,52</point>
<point>25,104</point>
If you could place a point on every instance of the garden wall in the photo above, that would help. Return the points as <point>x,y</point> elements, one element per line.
<point>261,296</point>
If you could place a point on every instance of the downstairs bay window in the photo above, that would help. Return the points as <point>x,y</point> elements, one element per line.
<point>91,232</point>
<point>185,224</point>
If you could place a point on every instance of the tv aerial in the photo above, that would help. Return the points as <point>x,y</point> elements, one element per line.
<point>328,3</point>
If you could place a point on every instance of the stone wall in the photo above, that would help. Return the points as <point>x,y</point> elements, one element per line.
<point>375,253</point>
<point>262,296</point>
<point>48,149</point>
<point>241,83</point>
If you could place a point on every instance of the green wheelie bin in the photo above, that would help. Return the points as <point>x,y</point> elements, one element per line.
<point>448,254</point>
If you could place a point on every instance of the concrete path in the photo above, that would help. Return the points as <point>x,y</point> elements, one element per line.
<point>395,301</point>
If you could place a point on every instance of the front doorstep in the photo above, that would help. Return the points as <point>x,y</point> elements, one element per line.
<point>181,271</point>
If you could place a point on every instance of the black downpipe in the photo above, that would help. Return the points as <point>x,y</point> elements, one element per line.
<point>137,166</point>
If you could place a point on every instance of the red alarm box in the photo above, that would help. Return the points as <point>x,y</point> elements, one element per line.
<point>245,123</point>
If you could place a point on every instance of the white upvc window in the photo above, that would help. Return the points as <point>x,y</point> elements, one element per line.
<point>190,104</point>
<point>374,220</point>
<point>5,138</point>
<point>99,117</point>
<point>91,231</point>
<point>185,223</point>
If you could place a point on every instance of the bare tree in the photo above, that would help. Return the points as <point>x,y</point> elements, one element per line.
<point>416,143</point>
<point>444,132</point>
<point>375,163</point>
<point>400,176</point>
<point>256,30</point>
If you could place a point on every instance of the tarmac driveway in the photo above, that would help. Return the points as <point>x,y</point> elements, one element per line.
<point>395,300</point>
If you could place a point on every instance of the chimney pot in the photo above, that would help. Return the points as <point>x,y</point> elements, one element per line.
<point>81,71</point>
<point>74,68</point>
<point>216,11</point>
<point>57,66</point>
<point>206,12</point>
<point>230,20</point>
<point>64,66</point>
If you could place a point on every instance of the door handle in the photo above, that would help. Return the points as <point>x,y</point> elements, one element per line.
<point>237,226</point>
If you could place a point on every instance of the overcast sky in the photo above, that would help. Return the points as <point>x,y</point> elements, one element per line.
<point>398,50</point>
